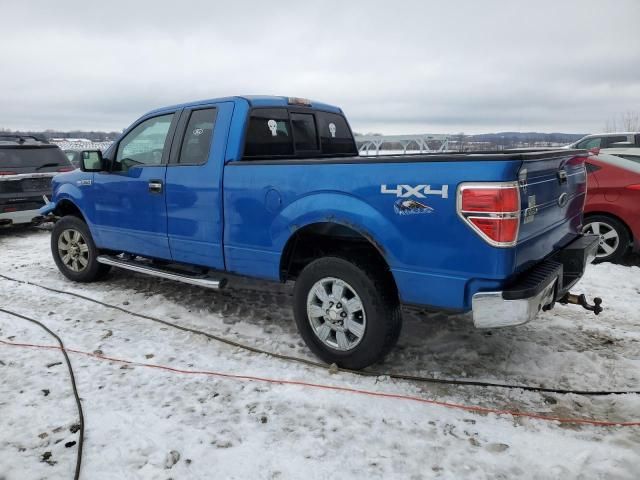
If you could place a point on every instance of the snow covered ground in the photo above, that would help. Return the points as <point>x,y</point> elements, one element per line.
<point>149,423</point>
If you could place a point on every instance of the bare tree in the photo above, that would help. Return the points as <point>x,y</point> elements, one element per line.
<point>459,139</point>
<point>627,122</point>
<point>631,121</point>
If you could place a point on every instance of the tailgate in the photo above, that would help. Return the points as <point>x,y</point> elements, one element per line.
<point>24,191</point>
<point>25,183</point>
<point>552,191</point>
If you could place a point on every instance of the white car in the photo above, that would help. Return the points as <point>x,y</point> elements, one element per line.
<point>607,141</point>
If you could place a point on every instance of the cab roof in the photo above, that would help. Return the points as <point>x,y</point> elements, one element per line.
<point>252,100</point>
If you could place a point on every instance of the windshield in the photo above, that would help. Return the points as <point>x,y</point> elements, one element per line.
<point>31,158</point>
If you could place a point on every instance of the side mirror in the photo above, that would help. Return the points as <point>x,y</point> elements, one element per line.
<point>91,161</point>
<point>594,150</point>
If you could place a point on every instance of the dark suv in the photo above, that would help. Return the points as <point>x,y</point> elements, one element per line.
<point>27,165</point>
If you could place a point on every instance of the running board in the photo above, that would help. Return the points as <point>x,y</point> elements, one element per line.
<point>195,279</point>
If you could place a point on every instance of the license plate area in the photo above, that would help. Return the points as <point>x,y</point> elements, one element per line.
<point>35,184</point>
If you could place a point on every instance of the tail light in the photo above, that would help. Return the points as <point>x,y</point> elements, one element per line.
<point>492,210</point>
<point>65,169</point>
<point>633,187</point>
<point>7,172</point>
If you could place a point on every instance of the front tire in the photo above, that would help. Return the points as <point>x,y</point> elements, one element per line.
<point>74,251</point>
<point>347,313</point>
<point>614,237</point>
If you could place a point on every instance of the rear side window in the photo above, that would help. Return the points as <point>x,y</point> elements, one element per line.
<point>276,132</point>
<point>269,133</point>
<point>197,137</point>
<point>32,159</point>
<point>335,135</point>
<point>609,141</point>
<point>304,131</point>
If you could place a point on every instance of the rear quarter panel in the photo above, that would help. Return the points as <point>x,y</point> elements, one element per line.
<point>432,255</point>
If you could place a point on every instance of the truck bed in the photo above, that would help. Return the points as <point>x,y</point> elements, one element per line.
<point>268,198</point>
<point>480,156</point>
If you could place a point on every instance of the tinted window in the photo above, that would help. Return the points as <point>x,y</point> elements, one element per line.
<point>32,158</point>
<point>607,143</point>
<point>268,133</point>
<point>335,135</point>
<point>197,137</point>
<point>590,143</point>
<point>304,131</point>
<point>144,145</point>
<point>633,158</point>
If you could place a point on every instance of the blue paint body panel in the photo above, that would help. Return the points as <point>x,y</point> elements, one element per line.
<point>194,200</point>
<point>234,215</point>
<point>423,251</point>
<point>128,217</point>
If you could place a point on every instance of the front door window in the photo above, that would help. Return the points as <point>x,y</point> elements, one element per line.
<point>144,145</point>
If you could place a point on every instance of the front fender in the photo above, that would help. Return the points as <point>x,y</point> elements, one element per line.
<point>72,193</point>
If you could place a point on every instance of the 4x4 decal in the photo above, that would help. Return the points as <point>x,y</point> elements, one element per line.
<point>418,191</point>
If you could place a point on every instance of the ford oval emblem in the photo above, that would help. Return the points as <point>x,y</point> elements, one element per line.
<point>563,199</point>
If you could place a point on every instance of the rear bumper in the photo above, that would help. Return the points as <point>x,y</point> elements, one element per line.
<point>24,210</point>
<point>536,289</point>
<point>15,218</point>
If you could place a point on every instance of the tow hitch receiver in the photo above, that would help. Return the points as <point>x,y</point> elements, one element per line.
<point>582,300</point>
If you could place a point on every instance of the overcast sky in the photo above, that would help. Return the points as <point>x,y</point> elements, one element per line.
<point>394,67</point>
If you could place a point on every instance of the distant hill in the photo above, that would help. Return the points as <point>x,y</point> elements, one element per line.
<point>508,138</point>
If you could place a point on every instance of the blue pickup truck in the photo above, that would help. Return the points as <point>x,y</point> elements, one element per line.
<point>273,188</point>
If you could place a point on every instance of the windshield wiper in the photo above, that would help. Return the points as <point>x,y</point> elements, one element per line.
<point>48,165</point>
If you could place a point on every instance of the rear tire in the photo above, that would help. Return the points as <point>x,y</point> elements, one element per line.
<point>347,312</point>
<point>74,251</point>
<point>614,237</point>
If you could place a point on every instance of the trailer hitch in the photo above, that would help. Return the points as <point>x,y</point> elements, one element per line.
<point>582,301</point>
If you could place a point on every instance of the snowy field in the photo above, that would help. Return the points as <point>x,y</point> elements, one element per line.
<point>145,423</point>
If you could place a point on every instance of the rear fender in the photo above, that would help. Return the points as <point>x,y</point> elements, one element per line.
<point>342,209</point>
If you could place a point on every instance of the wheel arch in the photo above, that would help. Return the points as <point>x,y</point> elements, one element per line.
<point>66,206</point>
<point>334,237</point>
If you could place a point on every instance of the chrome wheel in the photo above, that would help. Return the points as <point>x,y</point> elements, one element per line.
<point>609,238</point>
<point>336,314</point>
<point>73,250</point>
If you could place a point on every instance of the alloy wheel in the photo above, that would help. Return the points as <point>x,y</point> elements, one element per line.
<point>73,250</point>
<point>609,240</point>
<point>336,314</point>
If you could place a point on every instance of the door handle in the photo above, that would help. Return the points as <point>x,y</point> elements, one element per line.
<point>155,186</point>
